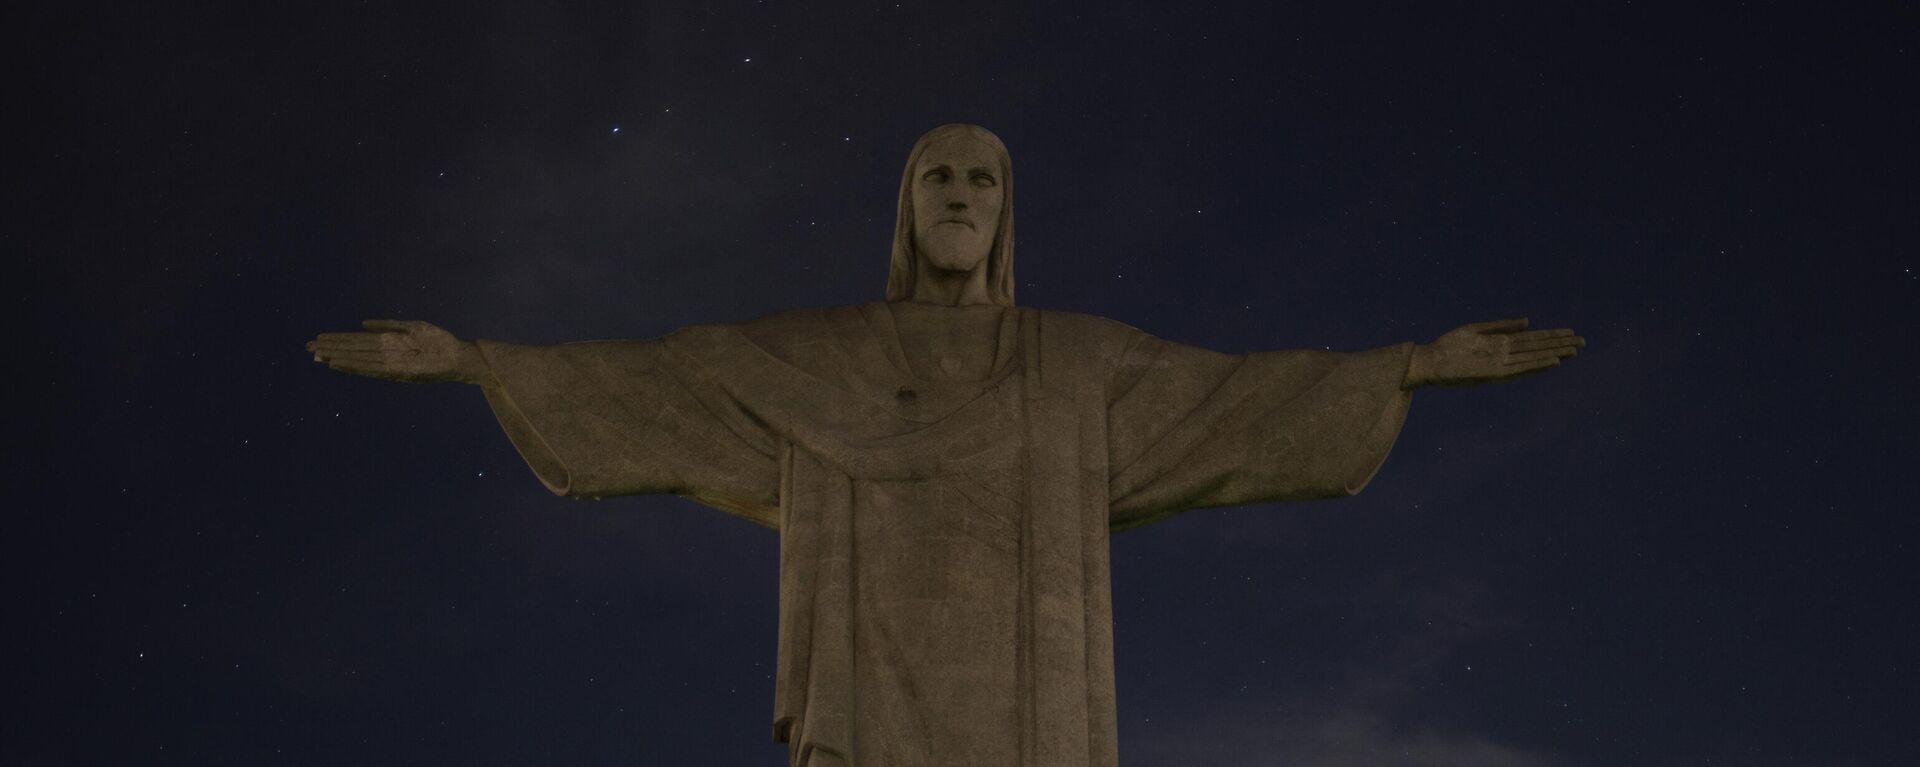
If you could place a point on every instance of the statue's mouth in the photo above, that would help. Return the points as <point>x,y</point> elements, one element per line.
<point>960,221</point>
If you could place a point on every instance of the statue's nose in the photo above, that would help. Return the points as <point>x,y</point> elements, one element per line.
<point>957,205</point>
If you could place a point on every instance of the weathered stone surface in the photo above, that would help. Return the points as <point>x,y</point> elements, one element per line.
<point>944,468</point>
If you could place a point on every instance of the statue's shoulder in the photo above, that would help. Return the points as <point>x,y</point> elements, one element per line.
<point>1089,328</point>
<point>779,329</point>
<point>801,324</point>
<point>795,335</point>
<point>860,321</point>
<point>1091,345</point>
<point>787,319</point>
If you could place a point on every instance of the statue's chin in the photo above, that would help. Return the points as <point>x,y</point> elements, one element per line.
<point>951,264</point>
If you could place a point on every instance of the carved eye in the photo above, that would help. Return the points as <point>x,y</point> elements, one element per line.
<point>984,180</point>
<point>936,176</point>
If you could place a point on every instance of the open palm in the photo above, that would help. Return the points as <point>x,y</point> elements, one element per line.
<point>398,350</point>
<point>1485,352</point>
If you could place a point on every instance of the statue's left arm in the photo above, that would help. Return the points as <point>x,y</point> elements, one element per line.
<point>608,418</point>
<point>1190,428</point>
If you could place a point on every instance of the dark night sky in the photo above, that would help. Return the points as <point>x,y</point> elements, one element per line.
<point>1691,545</point>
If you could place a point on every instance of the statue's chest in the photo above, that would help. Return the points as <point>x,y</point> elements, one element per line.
<point>954,359</point>
<point>951,344</point>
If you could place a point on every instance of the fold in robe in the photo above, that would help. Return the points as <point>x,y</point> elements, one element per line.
<point>944,592</point>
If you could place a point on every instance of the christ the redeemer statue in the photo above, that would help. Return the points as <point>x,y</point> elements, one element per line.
<point>944,467</point>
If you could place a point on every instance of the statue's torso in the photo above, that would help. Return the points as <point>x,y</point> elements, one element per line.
<point>948,342</point>
<point>938,569</point>
<point>937,587</point>
<point>970,639</point>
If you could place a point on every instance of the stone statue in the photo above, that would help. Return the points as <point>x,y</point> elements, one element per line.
<point>944,467</point>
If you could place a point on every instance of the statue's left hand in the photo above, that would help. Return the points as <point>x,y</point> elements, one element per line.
<point>401,350</point>
<point>1485,352</point>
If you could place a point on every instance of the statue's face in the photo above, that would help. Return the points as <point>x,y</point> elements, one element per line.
<point>957,195</point>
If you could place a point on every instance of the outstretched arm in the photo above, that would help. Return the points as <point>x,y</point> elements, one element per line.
<point>1190,428</point>
<point>409,351</point>
<point>1486,352</point>
<point>591,419</point>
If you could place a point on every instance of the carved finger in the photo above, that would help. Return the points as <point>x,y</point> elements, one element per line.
<point>1548,343</point>
<point>1529,358</point>
<point>393,326</point>
<point>362,369</point>
<point>1532,357</point>
<point>352,355</point>
<point>1498,326</point>
<point>1552,333</point>
<point>320,348</point>
<point>1531,368</point>
<point>334,337</point>
<point>345,341</point>
<point>1531,335</point>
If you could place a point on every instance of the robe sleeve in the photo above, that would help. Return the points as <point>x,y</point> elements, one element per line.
<point>1190,428</point>
<point>607,418</point>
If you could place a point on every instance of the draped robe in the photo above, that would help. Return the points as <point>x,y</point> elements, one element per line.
<point>944,592</point>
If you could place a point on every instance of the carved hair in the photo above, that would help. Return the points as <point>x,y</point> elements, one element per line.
<point>901,270</point>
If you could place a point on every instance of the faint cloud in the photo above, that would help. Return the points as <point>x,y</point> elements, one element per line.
<point>1338,738</point>
<point>1388,641</point>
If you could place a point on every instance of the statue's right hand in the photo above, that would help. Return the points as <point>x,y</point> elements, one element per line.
<point>400,350</point>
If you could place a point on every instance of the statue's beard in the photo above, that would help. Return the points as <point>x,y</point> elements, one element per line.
<point>953,248</point>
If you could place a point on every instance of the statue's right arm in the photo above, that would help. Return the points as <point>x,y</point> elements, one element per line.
<point>402,350</point>
<point>591,419</point>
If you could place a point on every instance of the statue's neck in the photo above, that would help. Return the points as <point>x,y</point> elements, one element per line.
<point>932,285</point>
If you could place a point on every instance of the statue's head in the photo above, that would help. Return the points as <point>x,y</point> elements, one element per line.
<point>956,211</point>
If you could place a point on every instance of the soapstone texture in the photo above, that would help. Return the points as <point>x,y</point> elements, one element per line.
<point>944,468</point>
